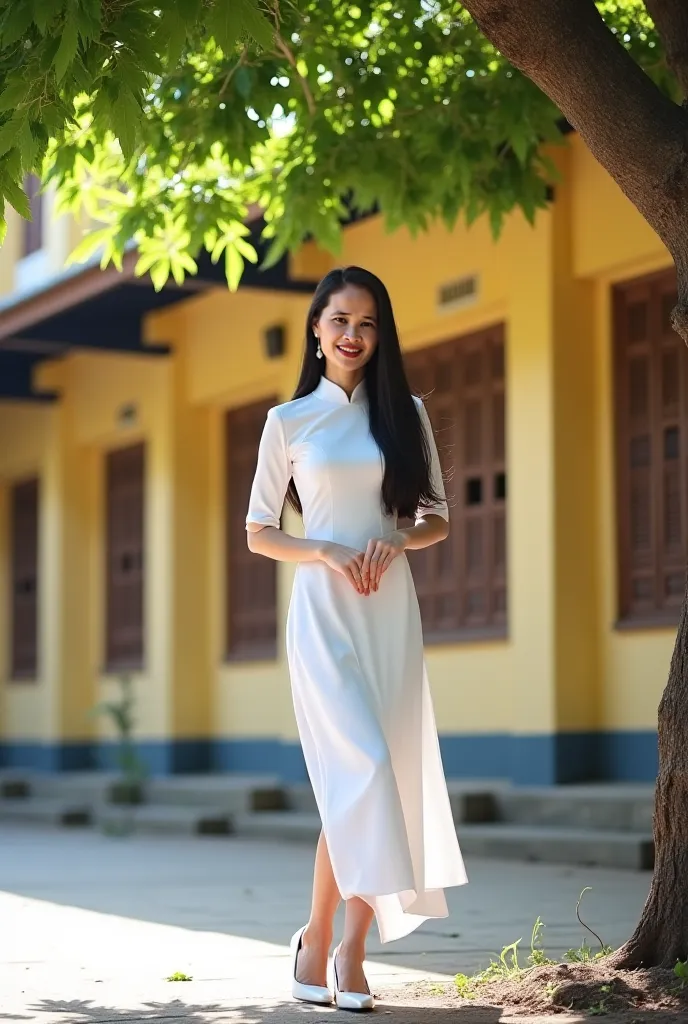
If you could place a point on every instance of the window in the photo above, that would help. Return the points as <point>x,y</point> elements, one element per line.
<point>33,229</point>
<point>461,583</point>
<point>651,412</point>
<point>251,626</point>
<point>24,597</point>
<point>125,480</point>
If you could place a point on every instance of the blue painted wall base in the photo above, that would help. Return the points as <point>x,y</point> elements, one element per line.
<point>525,760</point>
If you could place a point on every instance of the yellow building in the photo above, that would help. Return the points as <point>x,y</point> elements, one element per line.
<point>129,423</point>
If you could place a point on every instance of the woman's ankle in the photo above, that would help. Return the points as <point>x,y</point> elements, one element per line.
<point>317,934</point>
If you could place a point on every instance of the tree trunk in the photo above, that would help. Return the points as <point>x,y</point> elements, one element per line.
<point>641,138</point>
<point>661,937</point>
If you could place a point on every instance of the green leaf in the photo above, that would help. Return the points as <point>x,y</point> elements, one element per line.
<point>176,28</point>
<point>88,246</point>
<point>16,196</point>
<point>3,222</point>
<point>226,23</point>
<point>17,22</point>
<point>159,274</point>
<point>246,250</point>
<point>234,266</point>
<point>28,146</point>
<point>67,49</point>
<point>9,132</point>
<point>15,93</point>
<point>255,23</point>
<point>43,13</point>
<point>126,117</point>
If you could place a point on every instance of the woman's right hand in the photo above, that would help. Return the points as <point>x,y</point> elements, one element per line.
<point>347,561</point>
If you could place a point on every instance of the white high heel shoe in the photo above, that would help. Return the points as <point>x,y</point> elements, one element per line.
<point>306,993</point>
<point>350,1000</point>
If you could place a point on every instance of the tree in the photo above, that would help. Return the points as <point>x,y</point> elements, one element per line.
<point>641,137</point>
<point>166,120</point>
<point>188,112</point>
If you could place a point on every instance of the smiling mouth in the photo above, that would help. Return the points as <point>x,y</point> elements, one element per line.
<point>350,351</point>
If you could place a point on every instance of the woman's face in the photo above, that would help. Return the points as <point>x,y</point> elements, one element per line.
<point>347,329</point>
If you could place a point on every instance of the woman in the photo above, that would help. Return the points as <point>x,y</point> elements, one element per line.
<point>352,451</point>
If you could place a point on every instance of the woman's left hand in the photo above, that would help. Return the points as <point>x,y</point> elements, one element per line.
<point>379,555</point>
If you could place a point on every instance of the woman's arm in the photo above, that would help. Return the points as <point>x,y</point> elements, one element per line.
<point>429,530</point>
<point>274,543</point>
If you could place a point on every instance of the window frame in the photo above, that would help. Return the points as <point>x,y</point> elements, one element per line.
<point>458,472</point>
<point>238,558</point>
<point>659,292</point>
<point>21,492</point>
<point>114,661</point>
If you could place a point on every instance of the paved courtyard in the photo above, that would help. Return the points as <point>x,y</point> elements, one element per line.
<point>92,926</point>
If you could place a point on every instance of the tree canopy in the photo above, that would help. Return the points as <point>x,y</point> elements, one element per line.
<point>165,121</point>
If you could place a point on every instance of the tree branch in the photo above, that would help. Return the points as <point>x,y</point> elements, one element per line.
<point>284,49</point>
<point>632,129</point>
<point>671,21</point>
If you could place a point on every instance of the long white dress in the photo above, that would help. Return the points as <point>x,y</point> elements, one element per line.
<point>358,676</point>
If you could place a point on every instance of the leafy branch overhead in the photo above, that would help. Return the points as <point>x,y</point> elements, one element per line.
<point>165,122</point>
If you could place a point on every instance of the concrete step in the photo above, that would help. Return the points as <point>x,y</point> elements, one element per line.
<point>233,794</point>
<point>299,796</point>
<point>473,801</point>
<point>619,807</point>
<point>46,811</point>
<point>557,845</point>
<point>161,819</point>
<point>86,787</point>
<point>302,826</point>
<point>510,842</point>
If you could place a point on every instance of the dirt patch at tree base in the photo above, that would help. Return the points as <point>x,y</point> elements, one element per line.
<point>593,990</point>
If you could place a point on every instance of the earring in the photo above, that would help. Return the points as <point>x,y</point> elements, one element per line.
<point>318,351</point>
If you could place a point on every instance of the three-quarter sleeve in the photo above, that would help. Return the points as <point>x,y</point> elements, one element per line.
<point>440,508</point>
<point>273,473</point>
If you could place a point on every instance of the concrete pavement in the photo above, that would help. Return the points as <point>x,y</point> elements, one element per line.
<point>93,925</point>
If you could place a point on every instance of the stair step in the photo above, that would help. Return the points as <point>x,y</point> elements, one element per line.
<point>557,845</point>
<point>164,819</point>
<point>302,826</point>
<point>624,808</point>
<point>232,793</point>
<point>45,811</point>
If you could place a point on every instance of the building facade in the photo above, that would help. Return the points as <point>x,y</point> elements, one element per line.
<point>129,425</point>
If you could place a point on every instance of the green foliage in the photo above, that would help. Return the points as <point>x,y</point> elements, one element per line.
<point>165,121</point>
<point>584,954</point>
<point>681,971</point>
<point>179,976</point>
<point>121,714</point>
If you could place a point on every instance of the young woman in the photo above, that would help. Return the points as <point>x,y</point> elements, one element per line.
<point>352,451</point>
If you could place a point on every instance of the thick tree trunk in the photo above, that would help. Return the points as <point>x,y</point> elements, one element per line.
<point>641,138</point>
<point>661,937</point>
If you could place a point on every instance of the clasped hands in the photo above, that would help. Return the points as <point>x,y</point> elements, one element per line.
<point>364,569</point>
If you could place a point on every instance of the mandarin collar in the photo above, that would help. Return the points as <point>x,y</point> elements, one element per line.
<point>328,391</point>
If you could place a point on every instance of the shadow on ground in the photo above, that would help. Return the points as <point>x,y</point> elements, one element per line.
<point>79,1011</point>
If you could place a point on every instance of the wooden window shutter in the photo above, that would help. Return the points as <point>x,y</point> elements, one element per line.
<point>125,496</point>
<point>251,602</point>
<point>33,229</point>
<point>24,597</point>
<point>461,583</point>
<point>651,412</point>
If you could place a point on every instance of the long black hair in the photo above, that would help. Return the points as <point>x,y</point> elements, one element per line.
<point>395,422</point>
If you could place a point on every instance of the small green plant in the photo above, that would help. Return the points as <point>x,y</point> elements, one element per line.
<point>128,789</point>
<point>437,990</point>
<point>179,976</point>
<point>681,972</point>
<point>584,954</point>
<point>538,957</point>
<point>551,989</point>
<point>465,986</point>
